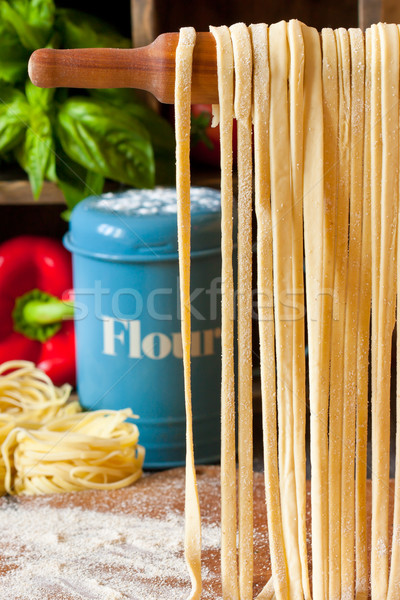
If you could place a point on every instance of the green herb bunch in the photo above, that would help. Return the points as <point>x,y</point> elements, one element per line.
<point>74,140</point>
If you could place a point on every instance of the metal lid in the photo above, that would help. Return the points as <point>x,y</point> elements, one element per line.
<point>142,224</point>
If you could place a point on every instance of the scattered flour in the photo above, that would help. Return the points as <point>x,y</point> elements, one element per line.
<point>71,553</point>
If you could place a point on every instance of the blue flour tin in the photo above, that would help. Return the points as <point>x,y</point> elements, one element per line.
<point>129,347</point>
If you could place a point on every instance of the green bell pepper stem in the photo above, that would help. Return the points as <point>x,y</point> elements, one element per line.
<point>44,313</point>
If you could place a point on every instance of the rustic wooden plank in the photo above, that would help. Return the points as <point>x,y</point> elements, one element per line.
<point>390,11</point>
<point>19,192</point>
<point>369,12</point>
<point>173,15</point>
<point>207,177</point>
<point>15,192</point>
<point>145,23</point>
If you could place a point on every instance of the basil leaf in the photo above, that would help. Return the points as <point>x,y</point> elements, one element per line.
<point>161,132</point>
<point>13,56</point>
<point>36,155</point>
<point>32,20</point>
<point>162,138</point>
<point>80,30</point>
<point>14,118</point>
<point>75,194</point>
<point>106,140</point>
<point>94,184</point>
<point>39,97</point>
<point>75,181</point>
<point>116,96</point>
<point>55,41</point>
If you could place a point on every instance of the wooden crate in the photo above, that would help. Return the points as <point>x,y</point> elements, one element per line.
<point>152,17</point>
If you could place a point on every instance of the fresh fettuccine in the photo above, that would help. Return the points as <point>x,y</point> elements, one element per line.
<point>318,117</point>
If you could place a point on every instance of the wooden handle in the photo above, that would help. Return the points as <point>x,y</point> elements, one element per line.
<point>150,68</point>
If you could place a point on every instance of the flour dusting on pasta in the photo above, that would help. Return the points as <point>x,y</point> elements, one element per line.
<point>325,111</point>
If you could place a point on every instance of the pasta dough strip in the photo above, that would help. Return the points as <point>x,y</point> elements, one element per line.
<point>338,325</point>
<point>283,289</point>
<point>337,235</point>
<point>313,228</point>
<point>384,310</point>
<point>362,574</point>
<point>259,34</point>
<point>331,112</point>
<point>230,588</point>
<point>351,313</point>
<point>267,593</point>
<point>296,75</point>
<point>243,99</point>
<point>376,174</point>
<point>394,578</point>
<point>184,55</point>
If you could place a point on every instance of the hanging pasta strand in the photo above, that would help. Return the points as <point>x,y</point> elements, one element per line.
<point>243,100</point>
<point>326,144</point>
<point>351,313</point>
<point>394,578</point>
<point>282,224</point>
<point>384,104</point>
<point>184,55</point>
<point>330,111</point>
<point>376,174</point>
<point>259,36</point>
<point>313,190</point>
<point>296,75</point>
<point>338,324</point>
<point>268,591</point>
<point>230,588</point>
<point>362,574</point>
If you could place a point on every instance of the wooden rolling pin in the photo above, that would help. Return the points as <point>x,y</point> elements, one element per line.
<point>150,68</point>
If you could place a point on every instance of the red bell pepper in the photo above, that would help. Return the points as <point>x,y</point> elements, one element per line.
<point>35,288</point>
